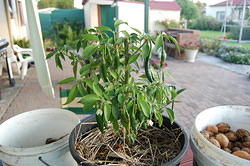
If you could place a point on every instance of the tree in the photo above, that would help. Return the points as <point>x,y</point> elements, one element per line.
<point>189,9</point>
<point>201,7</point>
<point>62,4</point>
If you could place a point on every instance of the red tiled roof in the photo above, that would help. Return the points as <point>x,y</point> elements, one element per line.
<point>235,3</point>
<point>167,5</point>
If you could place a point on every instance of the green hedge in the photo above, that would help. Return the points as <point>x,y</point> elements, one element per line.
<point>205,23</point>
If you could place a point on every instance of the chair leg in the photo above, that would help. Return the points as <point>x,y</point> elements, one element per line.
<point>9,60</point>
<point>24,70</point>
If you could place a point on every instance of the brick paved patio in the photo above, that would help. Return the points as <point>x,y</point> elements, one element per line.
<point>206,85</point>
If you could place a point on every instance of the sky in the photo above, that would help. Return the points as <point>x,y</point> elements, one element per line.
<point>209,2</point>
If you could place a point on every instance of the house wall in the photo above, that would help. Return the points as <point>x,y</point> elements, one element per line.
<point>130,12</point>
<point>17,29</point>
<point>133,13</point>
<point>4,31</point>
<point>212,11</point>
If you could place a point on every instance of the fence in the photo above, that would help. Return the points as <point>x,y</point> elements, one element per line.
<point>58,16</point>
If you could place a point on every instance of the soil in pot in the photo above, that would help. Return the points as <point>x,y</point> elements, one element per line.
<point>153,146</point>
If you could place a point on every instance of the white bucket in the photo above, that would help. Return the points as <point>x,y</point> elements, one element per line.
<point>190,55</point>
<point>207,154</point>
<point>22,138</point>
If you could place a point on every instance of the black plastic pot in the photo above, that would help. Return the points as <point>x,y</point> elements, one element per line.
<point>73,136</point>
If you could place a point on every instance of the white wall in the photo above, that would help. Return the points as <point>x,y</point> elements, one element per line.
<point>161,15</point>
<point>4,31</point>
<point>133,13</point>
<point>212,10</point>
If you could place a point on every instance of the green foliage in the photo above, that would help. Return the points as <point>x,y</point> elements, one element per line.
<point>231,54</point>
<point>235,31</point>
<point>61,4</point>
<point>66,34</point>
<point>24,43</point>
<point>171,24</point>
<point>106,79</point>
<point>189,10</point>
<point>205,23</point>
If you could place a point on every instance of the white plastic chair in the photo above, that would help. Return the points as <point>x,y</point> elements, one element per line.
<point>24,61</point>
<point>11,58</point>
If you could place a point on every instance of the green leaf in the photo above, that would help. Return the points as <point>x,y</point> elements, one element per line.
<point>138,31</point>
<point>90,98</point>
<point>49,55</point>
<point>171,115</point>
<point>133,58</point>
<point>67,80</point>
<point>115,109</point>
<point>90,37</point>
<point>104,28</point>
<point>75,64</point>
<point>58,61</point>
<point>144,106</point>
<point>85,69</point>
<point>159,42</point>
<point>78,45</point>
<point>89,50</point>
<point>159,118</point>
<point>107,111</point>
<point>121,98</point>
<point>72,94</point>
<point>81,89</point>
<point>145,50</point>
<point>89,82</point>
<point>180,91</point>
<point>125,33</point>
<point>97,89</point>
<point>119,22</point>
<point>100,122</point>
<point>113,73</point>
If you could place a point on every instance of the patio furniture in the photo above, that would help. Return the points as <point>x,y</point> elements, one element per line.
<point>8,59</point>
<point>21,52</point>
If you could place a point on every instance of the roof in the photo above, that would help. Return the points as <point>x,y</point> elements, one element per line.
<point>165,5</point>
<point>154,4</point>
<point>234,3</point>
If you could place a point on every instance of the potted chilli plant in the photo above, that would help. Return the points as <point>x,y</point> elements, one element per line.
<point>128,127</point>
<point>190,50</point>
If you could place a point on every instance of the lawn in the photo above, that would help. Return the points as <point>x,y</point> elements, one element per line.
<point>217,34</point>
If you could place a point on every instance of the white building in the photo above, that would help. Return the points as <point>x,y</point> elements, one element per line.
<point>13,19</point>
<point>234,11</point>
<point>99,12</point>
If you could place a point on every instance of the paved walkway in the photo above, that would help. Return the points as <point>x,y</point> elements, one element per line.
<point>238,68</point>
<point>206,85</point>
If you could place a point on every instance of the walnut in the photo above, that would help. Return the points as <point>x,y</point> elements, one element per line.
<point>222,139</point>
<point>238,144</point>
<point>246,144</point>
<point>235,149</point>
<point>241,133</point>
<point>215,142</point>
<point>246,150</point>
<point>205,134</point>
<point>223,127</point>
<point>230,145</point>
<point>231,136</point>
<point>212,129</point>
<point>242,154</point>
<point>246,139</point>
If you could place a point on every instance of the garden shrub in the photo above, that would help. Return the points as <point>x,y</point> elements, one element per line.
<point>235,31</point>
<point>231,54</point>
<point>24,43</point>
<point>205,23</point>
<point>171,24</point>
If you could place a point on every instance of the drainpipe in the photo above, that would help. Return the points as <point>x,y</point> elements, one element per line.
<point>146,15</point>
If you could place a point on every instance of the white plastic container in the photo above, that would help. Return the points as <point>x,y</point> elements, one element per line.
<point>207,154</point>
<point>22,138</point>
<point>190,55</point>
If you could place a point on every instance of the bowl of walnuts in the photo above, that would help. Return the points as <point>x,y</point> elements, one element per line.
<point>221,136</point>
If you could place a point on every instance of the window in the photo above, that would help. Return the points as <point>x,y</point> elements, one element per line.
<point>220,15</point>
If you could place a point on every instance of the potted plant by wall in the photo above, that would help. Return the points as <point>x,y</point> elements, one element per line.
<point>191,49</point>
<point>128,127</point>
